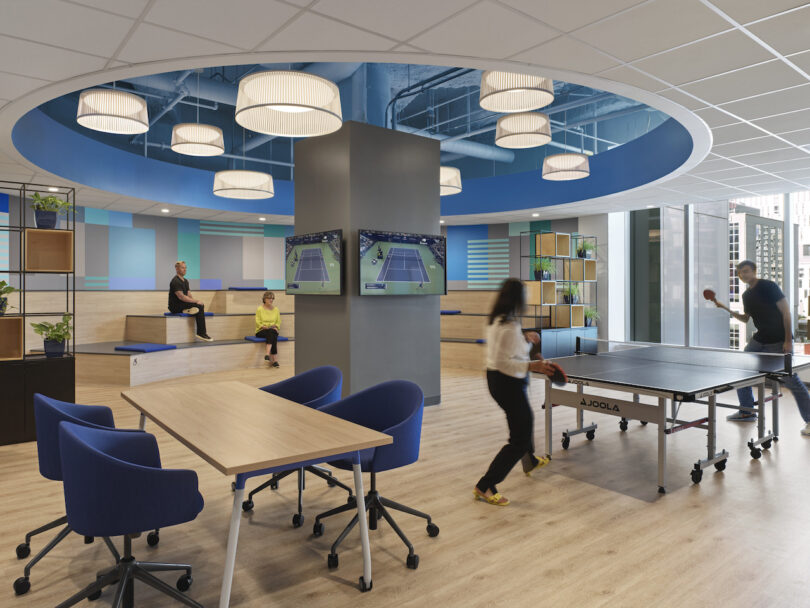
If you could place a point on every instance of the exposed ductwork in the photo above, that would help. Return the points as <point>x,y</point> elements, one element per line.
<point>467,148</point>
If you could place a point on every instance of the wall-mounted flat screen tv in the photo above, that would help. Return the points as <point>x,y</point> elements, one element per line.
<point>402,264</point>
<point>313,263</point>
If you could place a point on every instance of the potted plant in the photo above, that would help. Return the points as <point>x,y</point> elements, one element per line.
<point>542,269</point>
<point>590,316</point>
<point>571,294</point>
<point>5,290</point>
<point>55,335</point>
<point>585,248</point>
<point>47,208</point>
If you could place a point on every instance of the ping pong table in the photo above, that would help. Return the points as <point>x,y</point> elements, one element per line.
<point>671,375</point>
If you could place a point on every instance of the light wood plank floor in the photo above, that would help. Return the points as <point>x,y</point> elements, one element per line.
<point>588,530</point>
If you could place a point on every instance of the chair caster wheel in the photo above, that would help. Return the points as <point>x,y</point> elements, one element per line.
<point>432,530</point>
<point>756,453</point>
<point>247,506</point>
<point>350,500</point>
<point>23,550</point>
<point>566,441</point>
<point>298,520</point>
<point>22,585</point>
<point>643,423</point>
<point>662,490</point>
<point>330,483</point>
<point>317,529</point>
<point>94,596</point>
<point>152,539</point>
<point>623,425</point>
<point>766,445</point>
<point>274,485</point>
<point>697,475</point>
<point>720,466</point>
<point>332,561</point>
<point>412,562</point>
<point>365,586</point>
<point>590,435</point>
<point>88,540</point>
<point>184,582</point>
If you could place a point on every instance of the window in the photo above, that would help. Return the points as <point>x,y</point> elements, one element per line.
<point>806,250</point>
<point>734,337</point>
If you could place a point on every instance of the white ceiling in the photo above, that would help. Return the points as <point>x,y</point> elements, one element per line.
<point>742,66</point>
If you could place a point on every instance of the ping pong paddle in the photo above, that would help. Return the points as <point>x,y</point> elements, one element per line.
<point>709,295</point>
<point>558,378</point>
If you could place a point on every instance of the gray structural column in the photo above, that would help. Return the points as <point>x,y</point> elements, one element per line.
<point>369,177</point>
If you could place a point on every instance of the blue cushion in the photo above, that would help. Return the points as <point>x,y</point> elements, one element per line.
<point>182,314</point>
<point>451,312</point>
<point>480,341</point>
<point>246,289</point>
<point>257,339</point>
<point>145,347</point>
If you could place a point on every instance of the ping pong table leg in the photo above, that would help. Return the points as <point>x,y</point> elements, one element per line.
<point>761,410</point>
<point>142,422</point>
<point>662,445</point>
<point>711,432</point>
<point>775,409</point>
<point>549,407</point>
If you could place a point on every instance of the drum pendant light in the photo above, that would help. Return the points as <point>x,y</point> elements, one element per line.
<point>195,139</point>
<point>508,92</point>
<point>566,166</point>
<point>239,183</point>
<point>523,130</point>
<point>449,181</point>
<point>112,111</point>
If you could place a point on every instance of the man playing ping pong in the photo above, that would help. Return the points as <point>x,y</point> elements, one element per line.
<point>765,303</point>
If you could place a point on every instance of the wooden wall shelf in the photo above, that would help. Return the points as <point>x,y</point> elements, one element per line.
<point>552,244</point>
<point>48,250</point>
<point>590,270</point>
<point>11,338</point>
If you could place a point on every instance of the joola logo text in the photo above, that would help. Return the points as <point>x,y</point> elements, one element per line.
<point>602,405</point>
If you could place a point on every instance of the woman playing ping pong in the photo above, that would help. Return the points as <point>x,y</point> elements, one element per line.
<point>508,367</point>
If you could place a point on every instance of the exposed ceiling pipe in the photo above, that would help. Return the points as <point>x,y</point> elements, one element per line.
<point>421,86</point>
<point>211,90</point>
<point>248,159</point>
<point>182,93</point>
<point>467,148</point>
<point>608,116</point>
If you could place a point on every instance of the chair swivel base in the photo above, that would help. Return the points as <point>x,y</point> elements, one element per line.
<point>125,572</point>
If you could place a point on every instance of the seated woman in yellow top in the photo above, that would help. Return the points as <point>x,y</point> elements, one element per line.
<point>268,323</point>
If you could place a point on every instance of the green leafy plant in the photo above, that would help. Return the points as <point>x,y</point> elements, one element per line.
<point>546,264</point>
<point>585,246</point>
<point>50,203</point>
<point>5,290</point>
<point>591,314</point>
<point>572,289</point>
<point>58,332</point>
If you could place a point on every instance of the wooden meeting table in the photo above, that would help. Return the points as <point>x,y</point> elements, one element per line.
<point>244,431</point>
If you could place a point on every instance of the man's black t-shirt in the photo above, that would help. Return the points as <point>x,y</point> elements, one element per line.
<point>175,303</point>
<point>759,302</point>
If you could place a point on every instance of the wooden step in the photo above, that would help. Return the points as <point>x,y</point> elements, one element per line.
<point>161,329</point>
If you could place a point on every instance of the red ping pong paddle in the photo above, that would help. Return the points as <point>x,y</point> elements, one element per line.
<point>558,377</point>
<point>709,295</point>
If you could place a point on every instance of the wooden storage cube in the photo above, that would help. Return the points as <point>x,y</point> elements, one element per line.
<point>577,316</point>
<point>48,250</point>
<point>545,244</point>
<point>563,244</point>
<point>574,270</point>
<point>534,293</point>
<point>590,270</point>
<point>561,315</point>
<point>11,338</point>
<point>549,292</point>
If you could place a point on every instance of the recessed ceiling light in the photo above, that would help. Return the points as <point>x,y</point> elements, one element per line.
<point>261,219</point>
<point>53,189</point>
<point>650,206</point>
<point>164,210</point>
<point>535,215</point>
<point>441,221</point>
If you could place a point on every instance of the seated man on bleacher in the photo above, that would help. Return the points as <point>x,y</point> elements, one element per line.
<point>180,300</point>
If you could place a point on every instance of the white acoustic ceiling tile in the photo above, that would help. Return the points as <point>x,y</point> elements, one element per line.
<point>196,213</point>
<point>67,25</point>
<point>132,205</point>
<point>793,121</point>
<point>239,23</point>
<point>787,165</point>
<point>715,55</point>
<point>127,8</point>
<point>778,187</point>
<point>572,14</point>
<point>153,43</point>
<point>744,11</point>
<point>802,60</point>
<point>566,53</point>
<point>773,156</point>
<point>737,132</point>
<point>794,174</point>
<point>627,75</point>
<point>687,101</point>
<point>653,27</point>
<point>741,182</point>
<point>13,85</point>
<point>713,165</point>
<point>715,118</point>
<point>485,30</point>
<point>749,146</point>
<point>682,180</point>
<point>312,32</point>
<point>44,62</point>
<point>786,33</point>
<point>739,171</point>
<point>800,138</point>
<point>394,18</point>
<point>770,104</point>
<point>763,78</point>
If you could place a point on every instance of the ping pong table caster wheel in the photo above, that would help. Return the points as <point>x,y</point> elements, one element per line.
<point>756,453</point>
<point>566,441</point>
<point>662,490</point>
<point>720,466</point>
<point>432,530</point>
<point>643,423</point>
<point>22,585</point>
<point>590,435</point>
<point>298,520</point>
<point>766,445</point>
<point>413,561</point>
<point>697,475</point>
<point>152,539</point>
<point>247,506</point>
<point>623,425</point>
<point>23,550</point>
<point>184,582</point>
<point>233,486</point>
<point>317,529</point>
<point>332,561</point>
<point>365,586</point>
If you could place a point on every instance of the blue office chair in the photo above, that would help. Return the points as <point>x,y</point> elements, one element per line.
<point>114,486</point>
<point>48,413</point>
<point>314,388</point>
<point>394,408</point>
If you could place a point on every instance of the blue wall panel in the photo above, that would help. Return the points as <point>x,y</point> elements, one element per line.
<point>132,258</point>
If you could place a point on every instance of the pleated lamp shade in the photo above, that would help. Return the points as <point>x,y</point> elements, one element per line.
<point>449,181</point>
<point>243,184</point>
<point>112,111</point>
<point>566,166</point>
<point>288,104</point>
<point>508,92</point>
<point>523,130</point>
<point>196,139</point>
